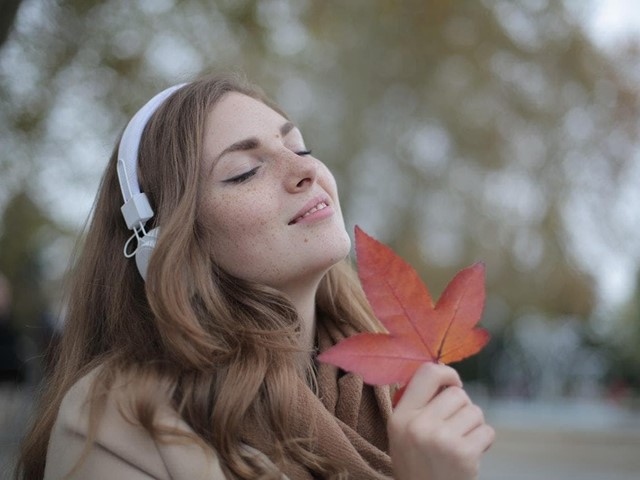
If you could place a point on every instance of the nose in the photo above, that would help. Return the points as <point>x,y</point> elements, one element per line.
<point>300,172</point>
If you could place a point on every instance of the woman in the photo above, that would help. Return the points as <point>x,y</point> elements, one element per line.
<point>207,369</point>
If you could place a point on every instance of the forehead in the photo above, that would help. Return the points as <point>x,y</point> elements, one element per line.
<point>236,117</point>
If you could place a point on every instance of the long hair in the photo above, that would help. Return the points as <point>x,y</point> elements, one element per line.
<point>217,348</point>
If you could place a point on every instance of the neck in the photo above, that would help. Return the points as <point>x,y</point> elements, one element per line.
<point>304,301</point>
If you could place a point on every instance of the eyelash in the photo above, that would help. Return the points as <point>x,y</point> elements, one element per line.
<point>243,177</point>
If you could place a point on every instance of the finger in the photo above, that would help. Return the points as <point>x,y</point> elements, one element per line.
<point>446,403</point>
<point>465,420</point>
<point>428,380</point>
<point>481,438</point>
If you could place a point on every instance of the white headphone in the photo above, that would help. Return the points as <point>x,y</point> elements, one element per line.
<point>136,209</point>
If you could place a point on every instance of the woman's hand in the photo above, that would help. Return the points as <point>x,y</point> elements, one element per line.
<point>435,432</point>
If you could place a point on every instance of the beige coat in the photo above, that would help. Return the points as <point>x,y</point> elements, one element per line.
<point>122,450</point>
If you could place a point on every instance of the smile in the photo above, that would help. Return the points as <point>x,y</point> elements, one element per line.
<point>318,207</point>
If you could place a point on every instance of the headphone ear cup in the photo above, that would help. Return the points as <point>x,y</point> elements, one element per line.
<point>145,247</point>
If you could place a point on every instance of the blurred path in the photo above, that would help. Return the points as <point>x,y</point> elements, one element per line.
<point>563,442</point>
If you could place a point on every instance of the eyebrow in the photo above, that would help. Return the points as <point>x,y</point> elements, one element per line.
<point>250,143</point>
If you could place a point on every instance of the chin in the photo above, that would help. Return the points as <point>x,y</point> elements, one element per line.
<point>341,248</point>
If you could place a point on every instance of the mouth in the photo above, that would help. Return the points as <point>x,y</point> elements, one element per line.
<point>306,211</point>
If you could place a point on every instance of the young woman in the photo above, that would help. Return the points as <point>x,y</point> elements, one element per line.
<point>197,360</point>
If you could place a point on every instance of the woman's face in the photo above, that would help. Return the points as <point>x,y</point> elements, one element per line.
<point>272,208</point>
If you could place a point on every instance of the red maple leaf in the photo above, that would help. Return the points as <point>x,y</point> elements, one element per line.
<point>419,331</point>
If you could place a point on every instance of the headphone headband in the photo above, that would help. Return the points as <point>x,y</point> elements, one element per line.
<point>137,209</point>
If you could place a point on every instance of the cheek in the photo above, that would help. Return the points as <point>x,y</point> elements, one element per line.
<point>229,212</point>
<point>328,181</point>
<point>235,224</point>
<point>239,225</point>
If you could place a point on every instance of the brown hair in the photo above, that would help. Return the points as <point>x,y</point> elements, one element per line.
<point>219,348</point>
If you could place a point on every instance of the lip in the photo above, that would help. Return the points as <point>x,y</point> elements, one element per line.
<point>308,206</point>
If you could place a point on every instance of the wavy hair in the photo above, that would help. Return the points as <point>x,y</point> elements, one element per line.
<point>217,348</point>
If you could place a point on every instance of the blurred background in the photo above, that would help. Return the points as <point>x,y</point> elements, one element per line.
<point>459,131</point>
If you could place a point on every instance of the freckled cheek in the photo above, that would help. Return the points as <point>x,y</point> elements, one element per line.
<point>237,220</point>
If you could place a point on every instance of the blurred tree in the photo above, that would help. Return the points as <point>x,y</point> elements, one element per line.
<point>467,130</point>
<point>458,131</point>
<point>624,338</point>
<point>24,231</point>
<point>8,12</point>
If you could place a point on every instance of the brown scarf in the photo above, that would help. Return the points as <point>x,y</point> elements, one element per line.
<point>349,419</point>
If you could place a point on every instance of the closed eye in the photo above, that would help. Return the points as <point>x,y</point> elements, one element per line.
<point>243,177</point>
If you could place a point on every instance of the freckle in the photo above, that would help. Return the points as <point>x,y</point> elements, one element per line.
<point>306,240</point>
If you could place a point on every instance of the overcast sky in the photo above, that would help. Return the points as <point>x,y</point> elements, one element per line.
<point>613,20</point>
